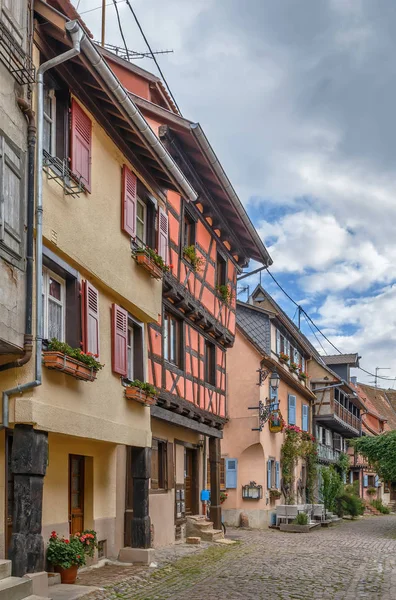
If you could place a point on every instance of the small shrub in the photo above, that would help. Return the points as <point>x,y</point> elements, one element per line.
<point>379,506</point>
<point>371,491</point>
<point>301,519</point>
<point>349,504</point>
<point>352,488</point>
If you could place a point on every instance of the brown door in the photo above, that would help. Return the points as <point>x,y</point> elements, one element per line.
<point>128,499</point>
<point>10,493</point>
<point>393,492</point>
<point>76,493</point>
<point>188,481</point>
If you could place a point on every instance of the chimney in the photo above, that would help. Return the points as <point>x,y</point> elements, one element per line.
<point>354,380</point>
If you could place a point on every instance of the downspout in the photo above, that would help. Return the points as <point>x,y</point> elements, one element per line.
<point>28,337</point>
<point>76,34</point>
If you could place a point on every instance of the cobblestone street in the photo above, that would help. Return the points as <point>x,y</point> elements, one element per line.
<point>356,559</point>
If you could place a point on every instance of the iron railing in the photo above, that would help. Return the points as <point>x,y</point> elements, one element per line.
<point>328,453</point>
<point>59,171</point>
<point>342,413</point>
<point>14,58</point>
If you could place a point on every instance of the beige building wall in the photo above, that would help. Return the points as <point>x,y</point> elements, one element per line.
<point>252,449</point>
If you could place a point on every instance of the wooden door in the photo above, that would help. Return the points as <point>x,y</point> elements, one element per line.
<point>128,499</point>
<point>393,492</point>
<point>9,493</point>
<point>76,493</point>
<point>188,481</point>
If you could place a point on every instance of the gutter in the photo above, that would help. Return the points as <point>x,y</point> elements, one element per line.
<point>215,165</point>
<point>101,67</point>
<point>76,33</point>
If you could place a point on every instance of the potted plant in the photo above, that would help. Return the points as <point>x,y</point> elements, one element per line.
<point>294,367</point>
<point>72,361</point>
<point>190,254</point>
<point>284,358</point>
<point>275,494</point>
<point>371,491</point>
<point>151,261</point>
<point>225,293</point>
<point>145,393</point>
<point>303,375</point>
<point>223,497</point>
<point>66,555</point>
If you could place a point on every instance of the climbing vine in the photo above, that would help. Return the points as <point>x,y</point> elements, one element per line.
<point>298,444</point>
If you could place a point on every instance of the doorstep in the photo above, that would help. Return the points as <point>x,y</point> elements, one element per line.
<point>62,591</point>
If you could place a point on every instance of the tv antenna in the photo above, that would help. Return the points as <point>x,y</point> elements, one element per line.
<point>130,55</point>
<point>376,374</point>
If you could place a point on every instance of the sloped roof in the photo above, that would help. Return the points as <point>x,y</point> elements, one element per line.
<point>255,323</point>
<point>391,397</point>
<point>376,402</point>
<point>342,359</point>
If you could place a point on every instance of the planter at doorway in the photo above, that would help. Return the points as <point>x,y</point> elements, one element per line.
<point>67,576</point>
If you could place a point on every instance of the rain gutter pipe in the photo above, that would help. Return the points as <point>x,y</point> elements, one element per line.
<point>76,34</point>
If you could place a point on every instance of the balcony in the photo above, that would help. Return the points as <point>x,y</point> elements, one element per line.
<point>347,417</point>
<point>338,418</point>
<point>327,454</point>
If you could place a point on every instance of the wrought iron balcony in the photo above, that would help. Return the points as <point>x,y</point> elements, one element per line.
<point>59,171</point>
<point>327,453</point>
<point>14,58</point>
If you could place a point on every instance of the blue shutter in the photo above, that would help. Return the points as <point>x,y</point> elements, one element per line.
<point>292,410</point>
<point>278,341</point>
<point>344,477</point>
<point>305,413</point>
<point>350,477</point>
<point>231,472</point>
<point>269,474</point>
<point>365,480</point>
<point>377,481</point>
<point>277,475</point>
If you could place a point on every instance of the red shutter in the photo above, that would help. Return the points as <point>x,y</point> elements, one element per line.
<point>163,234</point>
<point>81,144</point>
<point>119,333</point>
<point>90,318</point>
<point>128,209</point>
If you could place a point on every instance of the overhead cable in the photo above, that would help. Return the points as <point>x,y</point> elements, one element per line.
<point>120,28</point>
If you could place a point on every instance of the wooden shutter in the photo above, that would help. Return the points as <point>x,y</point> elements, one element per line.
<point>277,475</point>
<point>305,413</point>
<point>154,465</point>
<point>128,209</point>
<point>278,341</point>
<point>90,318</point>
<point>365,480</point>
<point>81,144</point>
<point>292,409</point>
<point>163,234</point>
<point>170,470</point>
<point>377,481</point>
<point>269,474</point>
<point>119,339</point>
<point>231,473</point>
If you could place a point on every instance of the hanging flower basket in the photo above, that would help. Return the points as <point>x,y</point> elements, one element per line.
<point>58,361</point>
<point>145,393</point>
<point>276,422</point>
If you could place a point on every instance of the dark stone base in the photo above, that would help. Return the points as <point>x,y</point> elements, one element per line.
<point>141,537</point>
<point>27,552</point>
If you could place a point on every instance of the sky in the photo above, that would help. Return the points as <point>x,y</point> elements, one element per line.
<point>298,99</point>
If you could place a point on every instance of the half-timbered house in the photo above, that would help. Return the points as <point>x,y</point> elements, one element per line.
<point>206,243</point>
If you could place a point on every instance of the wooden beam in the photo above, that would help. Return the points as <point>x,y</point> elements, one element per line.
<point>176,419</point>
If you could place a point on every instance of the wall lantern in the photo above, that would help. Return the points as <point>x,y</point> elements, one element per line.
<point>274,381</point>
<point>266,409</point>
<point>252,491</point>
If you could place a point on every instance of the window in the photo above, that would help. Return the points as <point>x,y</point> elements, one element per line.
<point>11,177</point>
<point>231,467</point>
<point>172,339</point>
<point>273,474</point>
<point>141,221</point>
<point>49,141</point>
<point>158,465</point>
<point>221,270</point>
<point>13,16</point>
<point>130,354</point>
<point>53,306</point>
<point>127,345</point>
<point>210,363</point>
<point>188,231</point>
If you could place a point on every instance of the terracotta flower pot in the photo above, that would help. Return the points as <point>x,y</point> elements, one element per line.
<point>61,362</point>
<point>135,393</point>
<point>67,575</point>
<point>149,265</point>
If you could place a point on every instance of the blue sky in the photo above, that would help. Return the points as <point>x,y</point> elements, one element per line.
<point>298,101</point>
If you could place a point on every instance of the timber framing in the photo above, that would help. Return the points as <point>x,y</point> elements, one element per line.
<point>194,422</point>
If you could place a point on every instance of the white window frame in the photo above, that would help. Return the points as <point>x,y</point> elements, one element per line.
<point>47,273</point>
<point>130,373</point>
<point>51,119</point>
<point>138,220</point>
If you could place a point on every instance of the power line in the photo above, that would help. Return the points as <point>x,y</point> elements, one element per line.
<point>313,331</point>
<point>120,28</point>
<point>152,54</point>
<point>84,12</point>
<point>378,376</point>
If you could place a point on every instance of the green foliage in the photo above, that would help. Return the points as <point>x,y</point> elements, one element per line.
<point>225,292</point>
<point>349,504</point>
<point>331,487</point>
<point>298,444</point>
<point>379,506</point>
<point>343,464</point>
<point>151,390</point>
<point>352,488</point>
<point>88,358</point>
<point>154,256</point>
<point>371,491</point>
<point>301,519</point>
<point>65,553</point>
<point>380,451</point>
<point>197,262</point>
<point>89,540</point>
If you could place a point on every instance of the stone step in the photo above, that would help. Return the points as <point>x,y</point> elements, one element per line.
<point>54,578</point>
<point>5,568</point>
<point>34,597</point>
<point>15,588</point>
<point>212,535</point>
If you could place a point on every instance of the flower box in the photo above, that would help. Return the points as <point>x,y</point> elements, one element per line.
<point>145,261</point>
<point>135,393</point>
<point>59,361</point>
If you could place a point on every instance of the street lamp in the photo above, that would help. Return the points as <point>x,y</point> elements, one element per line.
<point>274,381</point>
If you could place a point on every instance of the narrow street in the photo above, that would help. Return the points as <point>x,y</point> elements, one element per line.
<point>356,559</point>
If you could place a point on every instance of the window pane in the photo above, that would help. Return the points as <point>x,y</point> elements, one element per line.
<point>140,230</point>
<point>54,320</point>
<point>166,339</point>
<point>12,200</point>
<point>140,211</point>
<point>130,353</point>
<point>173,338</point>
<point>55,289</point>
<point>47,136</point>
